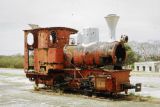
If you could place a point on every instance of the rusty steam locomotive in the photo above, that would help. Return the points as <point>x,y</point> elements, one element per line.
<point>58,64</point>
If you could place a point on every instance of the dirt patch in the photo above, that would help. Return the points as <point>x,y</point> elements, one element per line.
<point>100,97</point>
<point>18,91</point>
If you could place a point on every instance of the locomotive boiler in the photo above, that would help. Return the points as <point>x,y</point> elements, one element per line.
<point>96,54</point>
<point>94,67</point>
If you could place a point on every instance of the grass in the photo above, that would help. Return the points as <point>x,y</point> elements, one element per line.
<point>119,97</point>
<point>14,61</point>
<point>138,98</point>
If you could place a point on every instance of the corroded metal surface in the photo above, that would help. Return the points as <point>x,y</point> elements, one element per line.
<point>48,53</point>
<point>96,54</point>
<point>51,61</point>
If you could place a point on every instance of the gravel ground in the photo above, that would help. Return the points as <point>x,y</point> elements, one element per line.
<point>17,91</point>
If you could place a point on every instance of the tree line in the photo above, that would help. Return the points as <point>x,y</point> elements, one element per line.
<point>12,61</point>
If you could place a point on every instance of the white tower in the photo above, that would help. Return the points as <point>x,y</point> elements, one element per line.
<point>112,20</point>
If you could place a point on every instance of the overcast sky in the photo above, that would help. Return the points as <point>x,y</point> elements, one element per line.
<point>139,19</point>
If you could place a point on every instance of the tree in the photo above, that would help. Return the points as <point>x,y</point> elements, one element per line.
<point>131,56</point>
<point>149,51</point>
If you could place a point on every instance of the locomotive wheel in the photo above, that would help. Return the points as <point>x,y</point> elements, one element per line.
<point>58,80</point>
<point>88,93</point>
<point>36,88</point>
<point>57,90</point>
<point>58,83</point>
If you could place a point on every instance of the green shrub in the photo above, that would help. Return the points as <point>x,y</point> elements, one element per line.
<point>14,61</point>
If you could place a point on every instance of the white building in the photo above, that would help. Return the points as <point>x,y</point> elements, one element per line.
<point>88,35</point>
<point>152,66</point>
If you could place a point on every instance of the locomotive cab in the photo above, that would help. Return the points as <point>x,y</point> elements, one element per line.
<point>47,48</point>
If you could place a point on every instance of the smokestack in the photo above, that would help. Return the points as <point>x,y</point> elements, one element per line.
<point>112,20</point>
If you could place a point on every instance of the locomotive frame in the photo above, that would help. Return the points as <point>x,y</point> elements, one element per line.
<point>51,67</point>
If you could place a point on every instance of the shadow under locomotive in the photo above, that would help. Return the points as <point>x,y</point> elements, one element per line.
<point>52,61</point>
